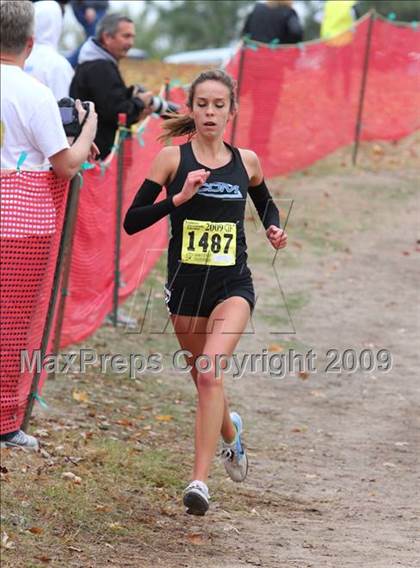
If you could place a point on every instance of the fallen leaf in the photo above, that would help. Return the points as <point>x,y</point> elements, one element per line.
<point>41,433</point>
<point>45,559</point>
<point>115,526</point>
<point>36,530</point>
<point>405,253</point>
<point>80,396</point>
<point>69,475</point>
<point>303,375</point>
<point>6,542</point>
<point>102,509</point>
<point>163,417</point>
<point>275,347</point>
<point>196,538</point>
<point>300,429</point>
<point>124,422</point>
<point>229,528</point>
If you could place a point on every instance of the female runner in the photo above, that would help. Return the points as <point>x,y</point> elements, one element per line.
<point>209,290</point>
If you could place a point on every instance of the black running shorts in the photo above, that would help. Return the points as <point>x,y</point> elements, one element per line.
<point>198,295</point>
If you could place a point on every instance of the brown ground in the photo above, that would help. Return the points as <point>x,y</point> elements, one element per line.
<point>334,457</point>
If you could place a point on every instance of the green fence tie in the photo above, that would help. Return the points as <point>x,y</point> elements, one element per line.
<point>39,399</point>
<point>392,16</point>
<point>139,135</point>
<point>414,24</point>
<point>252,46</point>
<point>21,159</point>
<point>274,43</point>
<point>87,166</point>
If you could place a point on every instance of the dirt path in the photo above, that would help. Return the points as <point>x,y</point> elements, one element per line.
<point>334,456</point>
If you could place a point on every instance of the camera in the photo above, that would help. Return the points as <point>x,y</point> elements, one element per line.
<point>70,116</point>
<point>159,106</point>
<point>162,106</point>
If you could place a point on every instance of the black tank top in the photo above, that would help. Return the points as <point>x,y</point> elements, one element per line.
<point>220,200</point>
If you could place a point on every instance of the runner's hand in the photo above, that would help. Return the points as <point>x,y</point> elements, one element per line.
<point>194,181</point>
<point>277,237</point>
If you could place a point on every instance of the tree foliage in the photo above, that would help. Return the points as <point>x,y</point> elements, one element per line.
<point>180,25</point>
<point>402,10</point>
<point>192,24</point>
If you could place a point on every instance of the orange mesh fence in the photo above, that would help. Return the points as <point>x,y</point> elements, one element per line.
<point>92,274</point>
<point>299,103</point>
<point>392,103</point>
<point>32,212</point>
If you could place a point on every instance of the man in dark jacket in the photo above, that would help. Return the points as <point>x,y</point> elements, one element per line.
<point>98,79</point>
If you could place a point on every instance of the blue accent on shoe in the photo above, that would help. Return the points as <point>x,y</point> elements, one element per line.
<point>237,422</point>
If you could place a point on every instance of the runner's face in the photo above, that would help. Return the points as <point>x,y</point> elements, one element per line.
<point>211,108</point>
<point>121,41</point>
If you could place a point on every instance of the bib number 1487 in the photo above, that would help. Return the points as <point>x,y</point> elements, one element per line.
<point>209,243</point>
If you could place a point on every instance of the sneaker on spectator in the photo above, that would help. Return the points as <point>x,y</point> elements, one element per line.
<point>19,439</point>
<point>196,498</point>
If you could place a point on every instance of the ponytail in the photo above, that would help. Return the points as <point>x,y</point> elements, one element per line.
<point>174,126</point>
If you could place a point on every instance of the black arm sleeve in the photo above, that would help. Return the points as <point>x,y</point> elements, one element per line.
<point>267,210</point>
<point>144,212</point>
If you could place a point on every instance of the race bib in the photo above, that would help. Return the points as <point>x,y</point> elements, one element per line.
<point>206,242</point>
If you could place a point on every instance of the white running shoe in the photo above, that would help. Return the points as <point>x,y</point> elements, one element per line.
<point>233,455</point>
<point>196,498</point>
<point>19,439</point>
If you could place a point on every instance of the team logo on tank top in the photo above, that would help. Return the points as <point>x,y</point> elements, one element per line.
<point>221,190</point>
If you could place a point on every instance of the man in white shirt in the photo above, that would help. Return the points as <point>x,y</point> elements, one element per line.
<point>32,132</point>
<point>30,119</point>
<point>45,63</point>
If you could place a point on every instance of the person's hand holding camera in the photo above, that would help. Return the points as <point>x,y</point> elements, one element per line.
<point>90,123</point>
<point>146,98</point>
<point>91,120</point>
